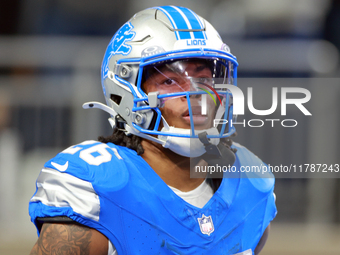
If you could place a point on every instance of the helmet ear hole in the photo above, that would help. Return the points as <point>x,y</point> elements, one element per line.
<point>116,98</point>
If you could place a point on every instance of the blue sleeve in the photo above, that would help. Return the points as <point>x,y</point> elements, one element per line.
<point>73,184</point>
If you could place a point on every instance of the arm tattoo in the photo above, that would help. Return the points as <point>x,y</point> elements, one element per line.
<point>63,239</point>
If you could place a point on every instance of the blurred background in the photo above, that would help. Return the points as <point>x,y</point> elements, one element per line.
<point>50,57</point>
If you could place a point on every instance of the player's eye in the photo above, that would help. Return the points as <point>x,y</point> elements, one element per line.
<point>203,80</point>
<point>169,82</point>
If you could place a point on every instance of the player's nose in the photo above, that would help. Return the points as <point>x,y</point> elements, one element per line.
<point>189,86</point>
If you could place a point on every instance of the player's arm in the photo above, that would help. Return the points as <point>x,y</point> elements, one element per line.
<point>262,241</point>
<point>70,238</point>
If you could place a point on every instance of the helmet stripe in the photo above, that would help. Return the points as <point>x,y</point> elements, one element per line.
<point>183,18</point>
<point>195,23</point>
<point>171,20</point>
<point>177,21</point>
<point>186,20</point>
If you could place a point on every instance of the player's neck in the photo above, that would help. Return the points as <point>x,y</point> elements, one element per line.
<point>171,167</point>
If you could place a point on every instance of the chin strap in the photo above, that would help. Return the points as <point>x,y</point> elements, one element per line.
<point>216,155</point>
<point>226,157</point>
<point>211,149</point>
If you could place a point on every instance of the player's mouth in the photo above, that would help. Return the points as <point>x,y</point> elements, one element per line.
<point>197,116</point>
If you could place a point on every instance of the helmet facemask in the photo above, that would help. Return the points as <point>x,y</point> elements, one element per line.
<point>188,102</point>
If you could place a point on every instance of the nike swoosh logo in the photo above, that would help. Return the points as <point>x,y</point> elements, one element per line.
<point>61,168</point>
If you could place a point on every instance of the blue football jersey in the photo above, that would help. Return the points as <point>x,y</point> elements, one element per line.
<point>112,189</point>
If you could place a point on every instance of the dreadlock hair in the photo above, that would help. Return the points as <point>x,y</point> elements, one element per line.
<point>118,137</point>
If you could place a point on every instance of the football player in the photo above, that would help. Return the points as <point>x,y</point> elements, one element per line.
<point>146,189</point>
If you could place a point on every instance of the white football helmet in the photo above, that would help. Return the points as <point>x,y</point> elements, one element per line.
<point>164,43</point>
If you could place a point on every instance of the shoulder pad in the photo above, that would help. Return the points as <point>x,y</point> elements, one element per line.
<point>253,168</point>
<point>92,161</point>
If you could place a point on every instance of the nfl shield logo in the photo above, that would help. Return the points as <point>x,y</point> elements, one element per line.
<point>206,225</point>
